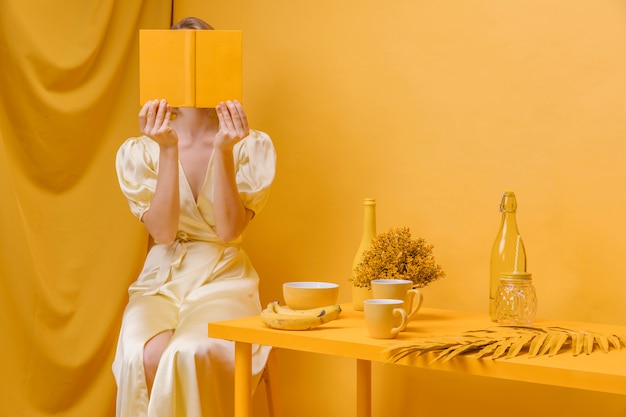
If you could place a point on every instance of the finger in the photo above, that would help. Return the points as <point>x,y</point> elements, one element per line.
<point>226,121</point>
<point>220,114</point>
<point>160,114</point>
<point>240,123</point>
<point>168,113</point>
<point>143,114</point>
<point>151,113</point>
<point>234,117</point>
<point>242,116</point>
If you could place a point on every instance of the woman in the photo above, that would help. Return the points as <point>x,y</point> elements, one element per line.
<point>195,179</point>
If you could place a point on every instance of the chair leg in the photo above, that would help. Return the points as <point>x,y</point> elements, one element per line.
<point>270,377</point>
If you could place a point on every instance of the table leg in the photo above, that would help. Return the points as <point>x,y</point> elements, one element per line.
<point>363,388</point>
<point>243,379</point>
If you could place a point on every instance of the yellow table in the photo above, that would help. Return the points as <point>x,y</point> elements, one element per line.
<point>347,337</point>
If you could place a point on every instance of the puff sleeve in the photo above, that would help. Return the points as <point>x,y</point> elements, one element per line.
<point>136,166</point>
<point>256,167</point>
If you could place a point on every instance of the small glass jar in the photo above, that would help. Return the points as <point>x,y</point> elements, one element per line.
<point>516,299</point>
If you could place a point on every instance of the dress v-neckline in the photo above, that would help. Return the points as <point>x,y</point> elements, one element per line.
<point>183,176</point>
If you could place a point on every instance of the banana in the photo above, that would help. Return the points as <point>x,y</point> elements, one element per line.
<point>289,322</point>
<point>320,311</point>
<point>331,313</point>
<point>284,318</point>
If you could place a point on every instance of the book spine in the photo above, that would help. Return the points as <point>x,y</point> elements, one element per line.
<point>190,70</point>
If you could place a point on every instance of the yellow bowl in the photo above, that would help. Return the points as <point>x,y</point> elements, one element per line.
<point>305,295</point>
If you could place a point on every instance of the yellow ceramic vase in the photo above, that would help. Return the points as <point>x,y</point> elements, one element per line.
<point>360,294</point>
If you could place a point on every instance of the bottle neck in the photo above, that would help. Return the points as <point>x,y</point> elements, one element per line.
<point>508,208</point>
<point>369,221</point>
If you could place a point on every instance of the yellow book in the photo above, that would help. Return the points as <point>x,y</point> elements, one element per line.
<point>190,68</point>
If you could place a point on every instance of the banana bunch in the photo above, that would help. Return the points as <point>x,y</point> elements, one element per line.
<point>284,318</point>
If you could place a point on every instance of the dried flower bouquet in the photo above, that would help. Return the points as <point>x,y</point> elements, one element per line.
<point>395,255</point>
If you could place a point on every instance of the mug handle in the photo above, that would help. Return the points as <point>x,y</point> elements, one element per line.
<point>414,301</point>
<point>404,321</point>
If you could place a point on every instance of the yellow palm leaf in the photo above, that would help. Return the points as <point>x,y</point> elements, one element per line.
<point>507,342</point>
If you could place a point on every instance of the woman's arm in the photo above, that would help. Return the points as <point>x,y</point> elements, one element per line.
<point>161,219</point>
<point>231,217</point>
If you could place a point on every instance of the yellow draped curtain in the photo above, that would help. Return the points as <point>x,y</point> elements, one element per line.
<point>69,247</point>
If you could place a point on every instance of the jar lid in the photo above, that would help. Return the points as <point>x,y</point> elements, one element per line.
<point>516,275</point>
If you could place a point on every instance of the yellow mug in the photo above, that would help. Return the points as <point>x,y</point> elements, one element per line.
<point>399,289</point>
<point>384,318</point>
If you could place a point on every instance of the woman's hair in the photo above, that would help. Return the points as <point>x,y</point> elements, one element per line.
<point>192,23</point>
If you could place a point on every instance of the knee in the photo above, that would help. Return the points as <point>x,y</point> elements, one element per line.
<point>153,350</point>
<point>151,358</point>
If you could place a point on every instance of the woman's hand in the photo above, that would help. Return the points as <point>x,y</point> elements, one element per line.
<point>231,217</point>
<point>233,125</point>
<point>154,122</point>
<point>161,219</point>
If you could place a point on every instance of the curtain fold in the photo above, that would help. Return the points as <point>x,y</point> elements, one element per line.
<point>69,246</point>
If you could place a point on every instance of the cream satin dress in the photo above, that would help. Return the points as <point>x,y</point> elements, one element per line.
<point>185,285</point>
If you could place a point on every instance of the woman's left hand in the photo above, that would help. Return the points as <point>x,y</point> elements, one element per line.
<point>233,124</point>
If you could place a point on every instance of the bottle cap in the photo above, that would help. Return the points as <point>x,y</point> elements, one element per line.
<point>508,203</point>
<point>516,275</point>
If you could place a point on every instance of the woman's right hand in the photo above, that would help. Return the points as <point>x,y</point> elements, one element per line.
<point>161,219</point>
<point>154,122</point>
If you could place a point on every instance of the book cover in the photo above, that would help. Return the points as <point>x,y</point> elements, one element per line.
<point>190,68</point>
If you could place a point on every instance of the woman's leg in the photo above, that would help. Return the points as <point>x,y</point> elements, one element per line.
<point>144,317</point>
<point>152,353</point>
<point>195,377</point>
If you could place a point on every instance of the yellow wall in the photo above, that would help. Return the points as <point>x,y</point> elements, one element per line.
<point>435,107</point>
